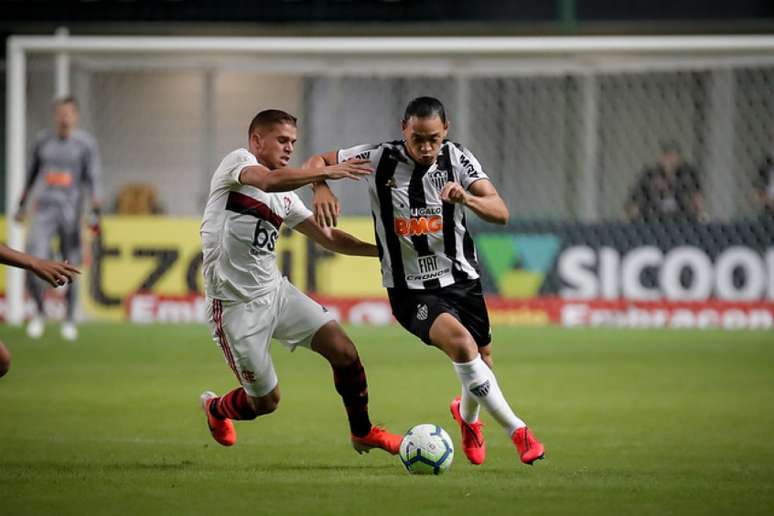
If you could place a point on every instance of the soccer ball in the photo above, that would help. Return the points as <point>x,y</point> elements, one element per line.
<point>426,449</point>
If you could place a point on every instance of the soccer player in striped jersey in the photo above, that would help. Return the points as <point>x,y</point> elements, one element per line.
<point>249,302</point>
<point>419,193</point>
<point>54,273</point>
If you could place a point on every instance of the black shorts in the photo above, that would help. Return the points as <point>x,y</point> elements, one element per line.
<point>416,310</point>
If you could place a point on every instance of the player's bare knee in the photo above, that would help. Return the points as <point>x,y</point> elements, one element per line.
<point>465,348</point>
<point>335,345</point>
<point>486,356</point>
<point>268,407</point>
<point>345,352</point>
<point>460,346</point>
<point>264,404</point>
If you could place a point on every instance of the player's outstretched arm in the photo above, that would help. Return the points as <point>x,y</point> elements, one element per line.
<point>55,273</point>
<point>326,205</point>
<point>287,179</point>
<point>336,240</point>
<point>482,198</point>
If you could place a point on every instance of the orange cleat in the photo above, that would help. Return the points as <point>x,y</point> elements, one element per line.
<point>222,430</point>
<point>472,439</point>
<point>378,437</point>
<point>529,448</point>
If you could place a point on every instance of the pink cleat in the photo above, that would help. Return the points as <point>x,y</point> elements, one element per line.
<point>378,437</point>
<point>529,448</point>
<point>472,439</point>
<point>222,430</point>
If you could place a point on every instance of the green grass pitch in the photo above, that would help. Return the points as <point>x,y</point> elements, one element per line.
<point>634,422</point>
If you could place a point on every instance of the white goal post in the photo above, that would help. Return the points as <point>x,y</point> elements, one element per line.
<point>458,57</point>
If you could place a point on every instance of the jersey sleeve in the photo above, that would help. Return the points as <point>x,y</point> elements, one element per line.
<point>367,151</point>
<point>33,169</point>
<point>296,211</point>
<point>233,164</point>
<point>469,167</point>
<point>92,169</point>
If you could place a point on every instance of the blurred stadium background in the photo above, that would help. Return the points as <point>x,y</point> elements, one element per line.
<point>564,110</point>
<point>564,127</point>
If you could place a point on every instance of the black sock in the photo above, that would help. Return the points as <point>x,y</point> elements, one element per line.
<point>213,408</point>
<point>351,384</point>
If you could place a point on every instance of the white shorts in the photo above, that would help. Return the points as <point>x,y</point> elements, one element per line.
<point>243,331</point>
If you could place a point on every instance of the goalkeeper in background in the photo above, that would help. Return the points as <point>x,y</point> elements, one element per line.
<point>65,162</point>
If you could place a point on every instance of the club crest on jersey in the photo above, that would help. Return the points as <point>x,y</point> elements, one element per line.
<point>422,312</point>
<point>248,376</point>
<point>438,178</point>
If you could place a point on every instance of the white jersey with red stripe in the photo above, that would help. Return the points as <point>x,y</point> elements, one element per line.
<point>239,231</point>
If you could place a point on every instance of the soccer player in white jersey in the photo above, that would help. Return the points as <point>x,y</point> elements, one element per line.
<point>54,273</point>
<point>249,302</point>
<point>418,194</point>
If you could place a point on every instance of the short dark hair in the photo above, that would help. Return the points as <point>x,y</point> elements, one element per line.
<point>67,99</point>
<point>425,107</point>
<point>269,117</point>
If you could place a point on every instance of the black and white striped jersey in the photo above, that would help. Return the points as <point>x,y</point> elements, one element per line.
<point>423,242</point>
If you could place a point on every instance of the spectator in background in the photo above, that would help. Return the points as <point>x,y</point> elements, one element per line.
<point>764,187</point>
<point>138,199</point>
<point>670,190</point>
<point>64,162</point>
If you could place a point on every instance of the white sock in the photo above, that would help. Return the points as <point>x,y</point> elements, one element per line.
<point>481,384</point>
<point>469,407</point>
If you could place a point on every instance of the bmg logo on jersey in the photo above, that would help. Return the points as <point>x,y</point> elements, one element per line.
<point>415,226</point>
<point>422,221</point>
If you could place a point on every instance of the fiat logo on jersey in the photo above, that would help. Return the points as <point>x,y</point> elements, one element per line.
<point>418,225</point>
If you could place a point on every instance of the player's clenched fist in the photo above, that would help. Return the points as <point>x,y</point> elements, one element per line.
<point>453,193</point>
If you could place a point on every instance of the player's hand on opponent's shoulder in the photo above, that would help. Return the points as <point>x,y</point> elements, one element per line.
<point>326,205</point>
<point>350,169</point>
<point>453,193</point>
<point>55,273</point>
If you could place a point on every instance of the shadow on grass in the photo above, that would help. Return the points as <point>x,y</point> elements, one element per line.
<point>301,466</point>
<point>17,468</point>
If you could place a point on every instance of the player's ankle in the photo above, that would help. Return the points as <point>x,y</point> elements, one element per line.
<point>212,409</point>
